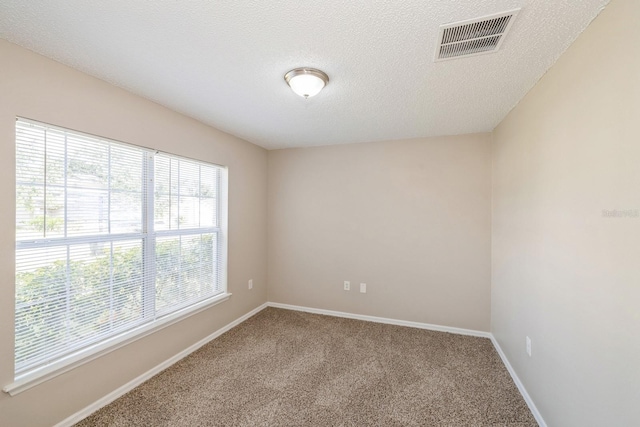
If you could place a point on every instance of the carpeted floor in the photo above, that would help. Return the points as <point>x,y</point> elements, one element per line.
<point>287,368</point>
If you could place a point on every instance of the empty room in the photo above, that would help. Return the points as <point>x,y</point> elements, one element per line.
<point>288,213</point>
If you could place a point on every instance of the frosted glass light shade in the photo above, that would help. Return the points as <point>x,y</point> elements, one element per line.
<point>306,82</point>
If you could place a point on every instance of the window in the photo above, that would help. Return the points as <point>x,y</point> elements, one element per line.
<point>110,238</point>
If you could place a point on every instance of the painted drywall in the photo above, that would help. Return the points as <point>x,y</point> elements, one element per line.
<point>35,87</point>
<point>566,229</point>
<point>410,218</point>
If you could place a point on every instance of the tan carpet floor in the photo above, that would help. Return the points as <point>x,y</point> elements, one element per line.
<point>287,368</point>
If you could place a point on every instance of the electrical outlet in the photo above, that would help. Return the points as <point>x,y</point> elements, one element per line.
<point>529,346</point>
<point>363,288</point>
<point>347,285</point>
<point>250,283</point>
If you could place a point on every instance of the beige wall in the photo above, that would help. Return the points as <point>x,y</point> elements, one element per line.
<point>38,88</point>
<point>562,273</point>
<point>409,218</point>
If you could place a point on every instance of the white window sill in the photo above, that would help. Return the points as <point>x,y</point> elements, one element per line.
<point>45,373</point>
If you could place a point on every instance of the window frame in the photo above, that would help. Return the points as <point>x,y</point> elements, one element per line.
<point>150,322</point>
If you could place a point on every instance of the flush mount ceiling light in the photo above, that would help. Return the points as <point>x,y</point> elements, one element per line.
<point>306,82</point>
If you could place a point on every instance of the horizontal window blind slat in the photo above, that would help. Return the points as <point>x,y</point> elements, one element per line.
<point>57,241</point>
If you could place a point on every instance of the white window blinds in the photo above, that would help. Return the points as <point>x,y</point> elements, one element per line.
<point>109,237</point>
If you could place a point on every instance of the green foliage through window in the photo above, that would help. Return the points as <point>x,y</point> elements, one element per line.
<point>90,262</point>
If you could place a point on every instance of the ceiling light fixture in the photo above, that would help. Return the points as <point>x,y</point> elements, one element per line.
<point>306,82</point>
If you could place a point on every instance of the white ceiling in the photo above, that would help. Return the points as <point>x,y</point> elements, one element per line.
<point>222,62</point>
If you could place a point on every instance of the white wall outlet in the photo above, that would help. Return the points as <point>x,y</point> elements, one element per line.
<point>250,283</point>
<point>363,288</point>
<point>347,285</point>
<point>529,346</point>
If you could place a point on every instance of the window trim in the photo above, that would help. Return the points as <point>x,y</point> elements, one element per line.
<point>79,358</point>
<point>38,375</point>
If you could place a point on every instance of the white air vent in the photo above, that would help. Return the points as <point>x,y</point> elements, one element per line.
<point>474,37</point>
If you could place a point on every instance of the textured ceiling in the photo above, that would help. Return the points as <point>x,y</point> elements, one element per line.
<point>222,62</point>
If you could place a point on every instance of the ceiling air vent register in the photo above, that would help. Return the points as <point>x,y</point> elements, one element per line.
<point>474,37</point>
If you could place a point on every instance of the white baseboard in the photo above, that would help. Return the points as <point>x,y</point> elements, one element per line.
<point>523,391</point>
<point>80,415</point>
<point>419,325</point>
